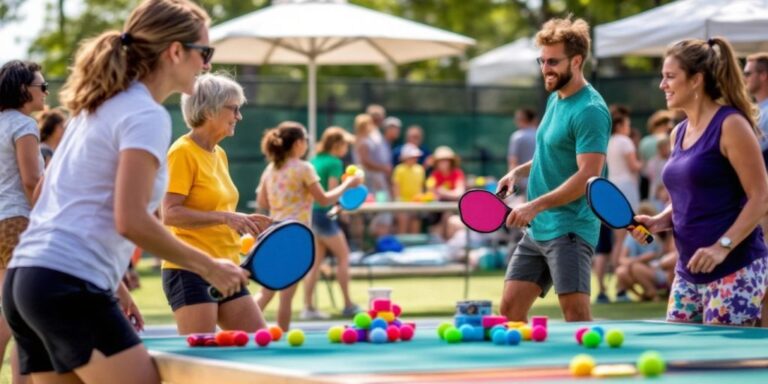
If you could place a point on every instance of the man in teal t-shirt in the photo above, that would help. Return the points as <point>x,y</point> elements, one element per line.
<point>571,144</point>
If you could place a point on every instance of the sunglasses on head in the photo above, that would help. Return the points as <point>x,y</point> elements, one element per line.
<point>205,51</point>
<point>43,86</point>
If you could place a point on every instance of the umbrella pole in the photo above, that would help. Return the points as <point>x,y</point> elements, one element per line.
<point>312,106</point>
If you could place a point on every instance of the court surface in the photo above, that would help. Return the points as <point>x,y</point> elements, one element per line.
<point>694,353</point>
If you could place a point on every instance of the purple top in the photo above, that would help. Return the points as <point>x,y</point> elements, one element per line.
<point>706,199</point>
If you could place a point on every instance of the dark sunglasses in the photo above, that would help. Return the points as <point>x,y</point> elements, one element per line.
<point>43,86</point>
<point>205,51</point>
<point>551,62</point>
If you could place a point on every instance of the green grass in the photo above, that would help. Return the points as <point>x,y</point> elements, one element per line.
<point>418,296</point>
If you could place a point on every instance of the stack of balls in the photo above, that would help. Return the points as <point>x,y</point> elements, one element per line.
<point>262,338</point>
<point>474,322</point>
<point>591,337</point>
<point>381,324</point>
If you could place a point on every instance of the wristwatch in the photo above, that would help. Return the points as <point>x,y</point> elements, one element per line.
<point>726,243</point>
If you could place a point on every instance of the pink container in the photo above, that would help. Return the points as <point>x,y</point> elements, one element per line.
<point>381,305</point>
<point>539,320</point>
<point>490,321</point>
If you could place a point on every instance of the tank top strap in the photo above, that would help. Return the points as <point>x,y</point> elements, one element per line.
<point>680,134</point>
<point>712,135</point>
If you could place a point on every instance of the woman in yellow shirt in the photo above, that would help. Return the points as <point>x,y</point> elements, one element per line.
<point>200,209</point>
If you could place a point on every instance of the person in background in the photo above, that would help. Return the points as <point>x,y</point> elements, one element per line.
<point>714,224</point>
<point>446,183</point>
<point>288,187</point>
<point>391,133</point>
<point>373,153</point>
<point>408,183</point>
<point>415,135</point>
<point>22,92</point>
<point>659,125</point>
<point>51,123</point>
<point>522,144</point>
<point>639,264</point>
<point>200,209</point>
<point>655,165</point>
<point>333,145</point>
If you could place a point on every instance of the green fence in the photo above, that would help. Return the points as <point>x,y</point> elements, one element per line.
<point>474,121</point>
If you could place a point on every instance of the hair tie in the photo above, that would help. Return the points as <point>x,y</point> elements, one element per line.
<point>126,39</point>
<point>711,42</point>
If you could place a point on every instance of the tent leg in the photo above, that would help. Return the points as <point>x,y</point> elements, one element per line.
<point>312,105</point>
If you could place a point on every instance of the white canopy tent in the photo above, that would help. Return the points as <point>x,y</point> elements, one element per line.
<point>510,64</point>
<point>328,32</point>
<point>743,22</point>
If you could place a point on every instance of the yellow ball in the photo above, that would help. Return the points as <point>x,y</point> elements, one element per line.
<point>526,332</point>
<point>582,365</point>
<point>334,334</point>
<point>295,337</point>
<point>431,182</point>
<point>388,316</point>
<point>480,181</point>
<point>246,244</point>
<point>351,169</point>
<point>515,324</point>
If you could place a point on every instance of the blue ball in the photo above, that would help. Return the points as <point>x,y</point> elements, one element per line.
<point>378,336</point>
<point>497,328</point>
<point>513,336</point>
<point>467,332</point>
<point>499,338</point>
<point>379,323</point>
<point>599,330</point>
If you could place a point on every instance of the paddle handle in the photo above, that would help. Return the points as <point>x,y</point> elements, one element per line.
<point>644,230</point>
<point>502,193</point>
<point>333,212</point>
<point>214,293</point>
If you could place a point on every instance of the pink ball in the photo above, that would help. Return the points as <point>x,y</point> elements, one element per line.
<point>263,337</point>
<point>406,333</point>
<point>393,333</point>
<point>580,333</point>
<point>349,336</point>
<point>539,333</point>
<point>396,310</point>
<point>373,313</point>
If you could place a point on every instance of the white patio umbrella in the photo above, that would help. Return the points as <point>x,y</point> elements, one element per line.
<point>510,64</point>
<point>328,32</point>
<point>743,22</point>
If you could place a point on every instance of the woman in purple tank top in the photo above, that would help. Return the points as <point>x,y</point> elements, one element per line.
<point>718,188</point>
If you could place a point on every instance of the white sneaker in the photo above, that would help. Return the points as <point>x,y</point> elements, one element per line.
<point>313,314</point>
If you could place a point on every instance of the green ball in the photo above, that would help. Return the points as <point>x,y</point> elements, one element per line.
<point>651,364</point>
<point>614,338</point>
<point>295,337</point>
<point>591,339</point>
<point>442,327</point>
<point>334,334</point>
<point>362,320</point>
<point>453,335</point>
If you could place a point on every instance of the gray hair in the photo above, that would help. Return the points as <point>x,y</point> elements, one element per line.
<point>211,92</point>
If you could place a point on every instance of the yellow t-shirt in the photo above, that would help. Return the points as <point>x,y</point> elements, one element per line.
<point>409,179</point>
<point>203,177</point>
<point>288,190</point>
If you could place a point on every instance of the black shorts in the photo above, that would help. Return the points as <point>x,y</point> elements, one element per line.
<point>58,320</point>
<point>605,241</point>
<point>183,287</point>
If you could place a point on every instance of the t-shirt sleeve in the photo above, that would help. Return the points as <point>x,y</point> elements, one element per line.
<point>626,145</point>
<point>181,171</point>
<point>336,169</point>
<point>397,175</point>
<point>149,130</point>
<point>592,129</point>
<point>25,127</point>
<point>512,147</point>
<point>308,174</point>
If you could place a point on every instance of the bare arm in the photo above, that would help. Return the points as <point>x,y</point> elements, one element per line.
<point>633,163</point>
<point>325,198</point>
<point>365,159</point>
<point>261,196</point>
<point>590,165</point>
<point>522,170</point>
<point>134,181</point>
<point>27,157</point>
<point>178,215</point>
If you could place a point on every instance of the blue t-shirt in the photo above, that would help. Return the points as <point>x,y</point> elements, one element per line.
<point>572,126</point>
<point>636,249</point>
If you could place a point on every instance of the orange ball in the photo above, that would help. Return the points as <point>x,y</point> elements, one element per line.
<point>276,332</point>
<point>225,338</point>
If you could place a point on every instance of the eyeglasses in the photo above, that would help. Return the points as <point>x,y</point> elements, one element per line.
<point>234,108</point>
<point>551,62</point>
<point>43,86</point>
<point>205,51</point>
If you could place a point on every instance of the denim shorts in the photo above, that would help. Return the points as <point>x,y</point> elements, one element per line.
<point>322,225</point>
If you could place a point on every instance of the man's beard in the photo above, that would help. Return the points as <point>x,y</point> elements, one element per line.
<point>562,80</point>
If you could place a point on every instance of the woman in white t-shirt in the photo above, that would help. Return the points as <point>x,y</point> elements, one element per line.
<point>22,92</point>
<point>623,169</point>
<point>63,299</point>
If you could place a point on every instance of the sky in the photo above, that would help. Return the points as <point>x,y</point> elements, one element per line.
<point>16,37</point>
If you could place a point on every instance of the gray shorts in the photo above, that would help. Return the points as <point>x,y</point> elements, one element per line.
<point>566,261</point>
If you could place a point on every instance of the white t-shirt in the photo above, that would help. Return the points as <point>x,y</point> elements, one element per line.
<point>619,146</point>
<point>72,226</point>
<point>13,126</point>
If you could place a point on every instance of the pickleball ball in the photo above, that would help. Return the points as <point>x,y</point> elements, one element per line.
<point>580,334</point>
<point>362,320</point>
<point>499,338</point>
<point>599,330</point>
<point>582,365</point>
<point>334,334</point>
<point>539,333</point>
<point>379,323</point>
<point>396,310</point>
<point>442,328</point>
<point>614,338</point>
<point>295,337</point>
<point>393,333</point>
<point>262,337</point>
<point>453,335</point>
<point>349,336</point>
<point>406,333</point>
<point>240,338</point>
<point>513,336</point>
<point>276,332</point>
<point>651,364</point>
<point>378,336</point>
<point>225,338</point>
<point>591,339</point>
<point>526,332</point>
